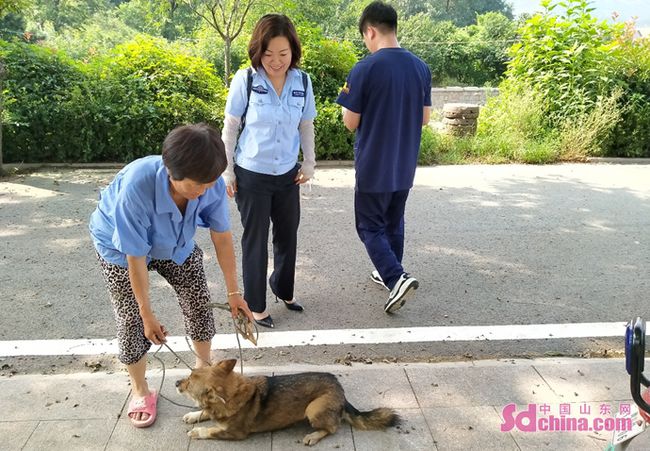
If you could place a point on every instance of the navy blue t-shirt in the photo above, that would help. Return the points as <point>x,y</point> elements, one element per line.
<point>390,89</point>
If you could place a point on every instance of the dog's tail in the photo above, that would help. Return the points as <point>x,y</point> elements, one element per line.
<point>372,420</point>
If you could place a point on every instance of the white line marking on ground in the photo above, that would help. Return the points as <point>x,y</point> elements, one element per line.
<point>333,337</point>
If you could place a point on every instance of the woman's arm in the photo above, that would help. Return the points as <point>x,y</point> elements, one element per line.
<point>229,137</point>
<point>308,146</point>
<point>139,277</point>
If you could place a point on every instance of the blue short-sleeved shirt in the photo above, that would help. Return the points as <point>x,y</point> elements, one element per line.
<point>390,89</point>
<point>137,216</point>
<point>270,141</point>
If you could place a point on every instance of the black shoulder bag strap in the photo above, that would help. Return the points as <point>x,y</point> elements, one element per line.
<point>249,88</point>
<point>304,85</point>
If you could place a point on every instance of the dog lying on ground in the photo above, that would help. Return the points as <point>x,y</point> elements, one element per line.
<point>242,405</point>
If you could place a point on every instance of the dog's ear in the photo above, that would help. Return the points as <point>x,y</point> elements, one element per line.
<point>227,365</point>
<point>245,391</point>
<point>211,395</point>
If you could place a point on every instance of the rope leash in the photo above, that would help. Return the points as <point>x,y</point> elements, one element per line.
<point>242,325</point>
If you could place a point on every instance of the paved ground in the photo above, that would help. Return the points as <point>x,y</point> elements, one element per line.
<point>445,406</point>
<point>491,245</point>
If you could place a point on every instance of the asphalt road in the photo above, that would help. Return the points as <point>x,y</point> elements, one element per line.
<point>490,245</point>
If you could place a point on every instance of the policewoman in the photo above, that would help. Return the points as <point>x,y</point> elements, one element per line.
<point>273,105</point>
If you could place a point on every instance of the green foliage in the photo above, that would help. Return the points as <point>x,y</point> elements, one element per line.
<point>227,18</point>
<point>510,130</point>
<point>116,108</point>
<point>429,143</point>
<point>464,12</point>
<point>631,135</point>
<point>40,124</point>
<point>490,39</point>
<point>12,26</point>
<point>333,140</point>
<point>150,89</point>
<point>417,34</point>
<point>66,13</point>
<point>13,6</point>
<point>328,62</point>
<point>169,19</point>
<point>475,55</point>
<point>567,58</point>
<point>205,45</point>
<point>591,76</point>
<point>101,34</point>
<point>583,135</point>
<point>312,13</point>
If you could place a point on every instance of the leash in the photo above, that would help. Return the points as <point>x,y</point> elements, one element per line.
<point>242,325</point>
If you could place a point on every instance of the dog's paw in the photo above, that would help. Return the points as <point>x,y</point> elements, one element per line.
<point>192,417</point>
<point>313,438</point>
<point>198,433</point>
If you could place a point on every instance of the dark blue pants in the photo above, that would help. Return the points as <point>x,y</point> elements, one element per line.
<point>379,219</point>
<point>261,199</point>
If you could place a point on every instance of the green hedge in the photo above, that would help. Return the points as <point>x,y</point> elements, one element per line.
<point>115,108</point>
<point>145,90</point>
<point>40,92</point>
<point>119,105</point>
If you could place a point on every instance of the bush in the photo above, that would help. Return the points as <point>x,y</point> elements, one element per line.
<point>116,108</point>
<point>333,140</point>
<point>101,34</point>
<point>144,90</point>
<point>328,63</point>
<point>631,136</point>
<point>568,58</point>
<point>40,120</point>
<point>428,146</point>
<point>576,87</point>
<point>584,135</point>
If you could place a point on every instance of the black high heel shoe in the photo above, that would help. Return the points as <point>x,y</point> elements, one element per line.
<point>295,306</point>
<point>266,322</point>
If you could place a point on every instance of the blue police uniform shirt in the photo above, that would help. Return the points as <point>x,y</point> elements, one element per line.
<point>137,216</point>
<point>270,141</point>
<point>390,89</point>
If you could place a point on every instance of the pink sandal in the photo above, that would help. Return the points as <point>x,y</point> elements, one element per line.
<point>144,405</point>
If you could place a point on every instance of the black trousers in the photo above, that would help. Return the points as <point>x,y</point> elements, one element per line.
<point>262,199</point>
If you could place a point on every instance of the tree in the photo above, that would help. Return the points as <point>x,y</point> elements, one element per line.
<point>12,6</point>
<point>227,17</point>
<point>66,13</point>
<point>464,12</point>
<point>167,18</point>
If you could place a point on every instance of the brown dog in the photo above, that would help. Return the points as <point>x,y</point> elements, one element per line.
<point>242,405</point>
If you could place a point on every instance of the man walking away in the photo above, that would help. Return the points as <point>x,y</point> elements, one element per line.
<point>387,100</point>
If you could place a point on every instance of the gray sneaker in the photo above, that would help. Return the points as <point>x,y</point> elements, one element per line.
<point>375,277</point>
<point>398,295</point>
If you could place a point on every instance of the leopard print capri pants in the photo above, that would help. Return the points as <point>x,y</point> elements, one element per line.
<point>189,282</point>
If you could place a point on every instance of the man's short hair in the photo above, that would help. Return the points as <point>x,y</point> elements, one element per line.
<point>379,15</point>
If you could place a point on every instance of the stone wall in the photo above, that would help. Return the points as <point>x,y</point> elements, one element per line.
<point>478,96</point>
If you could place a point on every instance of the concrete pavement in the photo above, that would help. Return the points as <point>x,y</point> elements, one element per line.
<point>446,406</point>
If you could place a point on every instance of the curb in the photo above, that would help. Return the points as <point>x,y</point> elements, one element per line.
<point>18,168</point>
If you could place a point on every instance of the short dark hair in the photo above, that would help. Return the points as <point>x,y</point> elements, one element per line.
<point>268,27</point>
<point>379,15</point>
<point>196,152</point>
